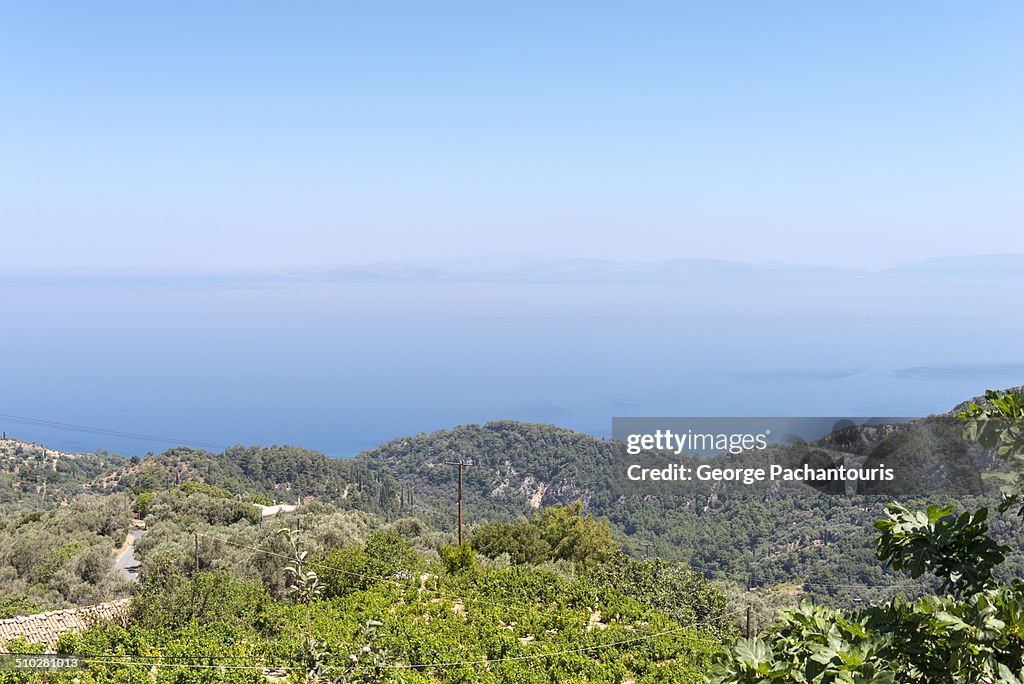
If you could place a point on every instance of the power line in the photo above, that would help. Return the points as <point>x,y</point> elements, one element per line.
<point>141,659</point>
<point>70,427</point>
<point>479,601</point>
<point>724,574</point>
<point>386,580</point>
<point>693,638</point>
<point>155,661</point>
<point>537,656</point>
<point>866,586</point>
<point>104,660</point>
<point>314,563</point>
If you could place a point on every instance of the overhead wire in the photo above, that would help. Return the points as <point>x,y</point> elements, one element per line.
<point>70,427</point>
<point>156,660</point>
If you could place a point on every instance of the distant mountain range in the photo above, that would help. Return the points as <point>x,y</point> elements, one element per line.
<point>554,270</point>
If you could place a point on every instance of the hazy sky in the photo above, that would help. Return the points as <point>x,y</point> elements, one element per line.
<point>270,134</point>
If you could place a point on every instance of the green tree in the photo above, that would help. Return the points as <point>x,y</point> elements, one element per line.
<point>142,504</point>
<point>521,541</point>
<point>575,536</point>
<point>998,423</point>
<point>973,633</point>
<point>385,557</point>
<point>458,558</point>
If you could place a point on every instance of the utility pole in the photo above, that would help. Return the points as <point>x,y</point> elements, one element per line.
<point>461,464</point>
<point>750,588</point>
<point>647,549</point>
<point>195,533</point>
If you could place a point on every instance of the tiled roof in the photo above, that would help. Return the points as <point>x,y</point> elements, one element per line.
<point>46,628</point>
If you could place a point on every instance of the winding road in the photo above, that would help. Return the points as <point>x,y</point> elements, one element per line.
<point>126,562</point>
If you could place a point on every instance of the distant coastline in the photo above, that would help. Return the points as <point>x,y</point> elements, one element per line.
<point>547,270</point>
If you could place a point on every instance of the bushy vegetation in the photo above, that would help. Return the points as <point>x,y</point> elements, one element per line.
<point>63,556</point>
<point>740,536</point>
<point>261,475</point>
<point>972,630</point>
<point>364,583</point>
<point>32,476</point>
<point>380,611</point>
<point>778,534</point>
<point>556,533</point>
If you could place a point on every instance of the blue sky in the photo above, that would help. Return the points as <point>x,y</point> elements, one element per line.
<point>251,135</point>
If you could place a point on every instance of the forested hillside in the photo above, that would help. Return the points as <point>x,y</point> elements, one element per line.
<point>33,475</point>
<point>284,473</point>
<point>971,629</point>
<point>762,535</point>
<point>767,536</point>
<point>569,573</point>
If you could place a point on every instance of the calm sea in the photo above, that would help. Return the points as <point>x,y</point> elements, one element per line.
<point>343,367</point>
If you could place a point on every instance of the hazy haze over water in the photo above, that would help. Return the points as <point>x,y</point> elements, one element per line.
<point>341,367</point>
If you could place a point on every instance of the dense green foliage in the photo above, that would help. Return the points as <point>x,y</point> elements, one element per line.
<point>32,476</point>
<point>556,533</point>
<point>973,631</point>
<point>973,634</point>
<point>956,549</point>
<point>760,536</point>
<point>738,535</point>
<point>62,557</point>
<point>260,475</point>
<point>998,423</point>
<point>366,584</point>
<point>419,620</point>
